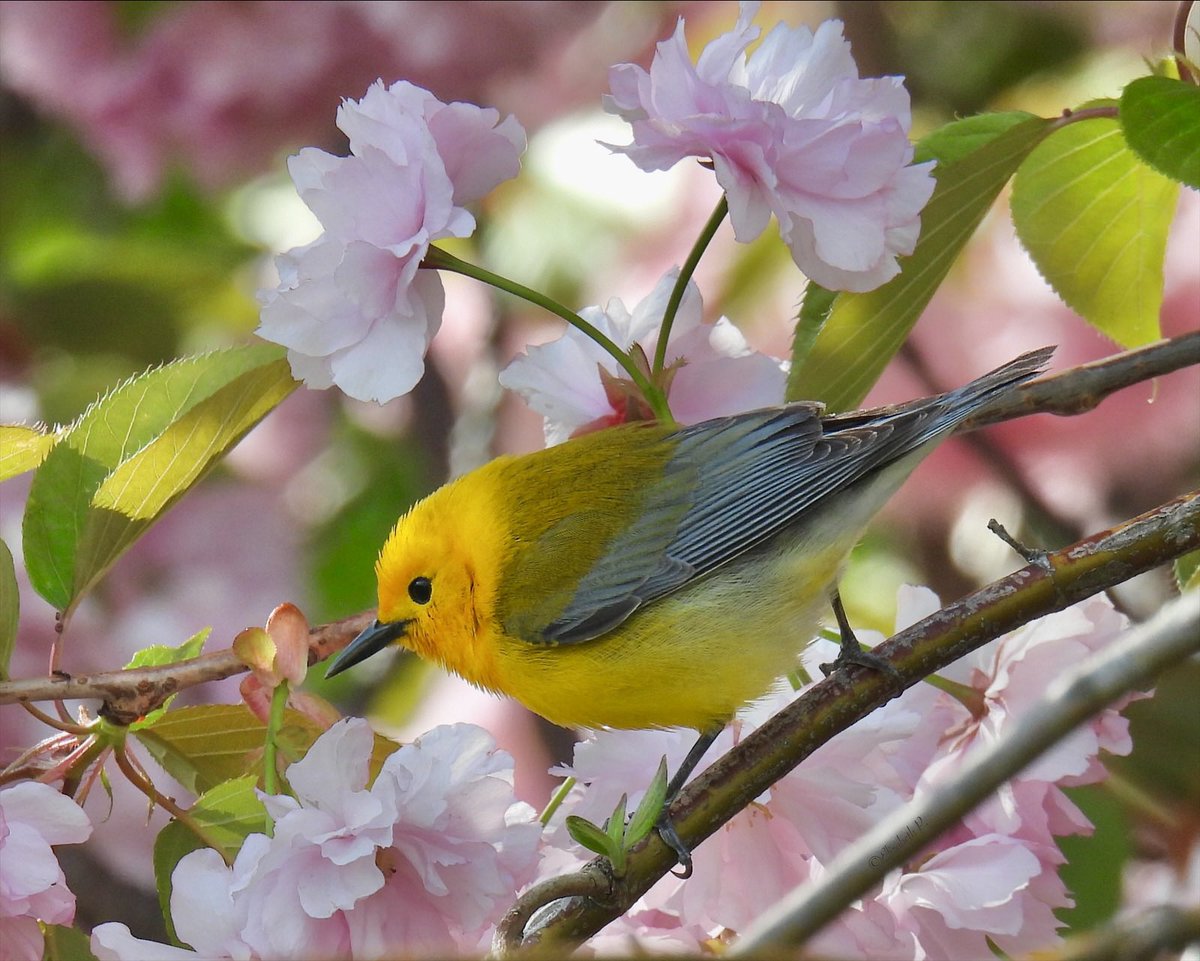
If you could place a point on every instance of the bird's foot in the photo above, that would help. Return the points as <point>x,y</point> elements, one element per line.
<point>683,857</point>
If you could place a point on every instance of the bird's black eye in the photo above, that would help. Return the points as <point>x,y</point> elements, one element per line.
<point>420,590</point>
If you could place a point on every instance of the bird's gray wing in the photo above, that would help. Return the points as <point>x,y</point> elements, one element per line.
<point>743,479</point>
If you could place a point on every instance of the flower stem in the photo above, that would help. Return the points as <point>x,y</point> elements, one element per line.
<point>279,698</point>
<point>556,800</point>
<point>441,260</point>
<point>681,282</point>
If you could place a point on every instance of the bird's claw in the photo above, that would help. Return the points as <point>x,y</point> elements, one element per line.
<point>683,857</point>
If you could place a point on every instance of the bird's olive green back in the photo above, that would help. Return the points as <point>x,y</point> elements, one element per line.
<point>568,505</point>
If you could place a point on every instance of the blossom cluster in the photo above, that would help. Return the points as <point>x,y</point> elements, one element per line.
<point>792,132</point>
<point>421,862</point>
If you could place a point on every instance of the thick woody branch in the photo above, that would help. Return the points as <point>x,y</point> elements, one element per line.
<point>1049,584</point>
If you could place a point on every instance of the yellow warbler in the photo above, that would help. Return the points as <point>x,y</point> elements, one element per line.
<point>649,576</point>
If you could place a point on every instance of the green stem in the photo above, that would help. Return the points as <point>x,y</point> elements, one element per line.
<point>271,748</point>
<point>556,800</point>
<point>681,282</point>
<point>441,260</point>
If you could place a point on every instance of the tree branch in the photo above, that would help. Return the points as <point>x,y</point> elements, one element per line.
<point>1059,580</point>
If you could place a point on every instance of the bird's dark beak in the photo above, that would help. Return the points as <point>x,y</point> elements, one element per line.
<point>371,641</point>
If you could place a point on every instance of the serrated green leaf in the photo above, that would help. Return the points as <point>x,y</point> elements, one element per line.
<point>229,813</point>
<point>22,448</point>
<point>864,331</point>
<point>158,655</point>
<point>138,491</point>
<point>1094,219</point>
<point>67,548</point>
<point>646,815</point>
<point>10,608</point>
<point>1161,121</point>
<point>1187,572</point>
<point>205,745</point>
<point>592,837</point>
<point>65,944</point>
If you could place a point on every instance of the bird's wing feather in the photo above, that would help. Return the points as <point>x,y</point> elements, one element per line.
<point>747,477</point>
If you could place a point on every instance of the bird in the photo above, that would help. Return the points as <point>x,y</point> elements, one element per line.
<point>649,575</point>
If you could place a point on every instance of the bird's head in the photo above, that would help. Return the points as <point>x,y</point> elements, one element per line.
<point>429,590</point>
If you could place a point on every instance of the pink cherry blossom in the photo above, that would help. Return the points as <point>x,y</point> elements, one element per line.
<point>715,370</point>
<point>791,131</point>
<point>34,816</point>
<point>353,308</point>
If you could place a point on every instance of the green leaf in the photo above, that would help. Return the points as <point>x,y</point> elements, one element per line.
<point>592,837</point>
<point>1187,571</point>
<point>1161,121</point>
<point>22,448</point>
<point>159,655</point>
<point>204,745</point>
<point>646,815</point>
<point>70,542</point>
<point>10,606</point>
<point>1094,219</point>
<point>864,331</point>
<point>65,944</point>
<point>229,813</point>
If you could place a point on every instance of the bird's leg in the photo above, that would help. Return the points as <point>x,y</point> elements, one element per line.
<point>853,652</point>
<point>666,829</point>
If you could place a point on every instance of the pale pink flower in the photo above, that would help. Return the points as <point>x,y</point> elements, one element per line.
<point>965,894</point>
<point>352,307</point>
<point>217,90</point>
<point>716,372</point>
<point>791,131</point>
<point>34,816</point>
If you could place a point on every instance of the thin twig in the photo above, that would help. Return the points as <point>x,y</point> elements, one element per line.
<point>1131,662</point>
<point>132,693</point>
